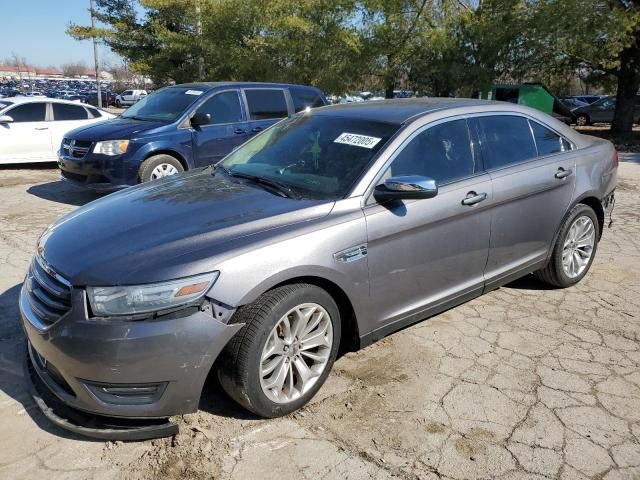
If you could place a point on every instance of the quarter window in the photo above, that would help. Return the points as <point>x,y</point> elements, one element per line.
<point>303,98</point>
<point>29,112</point>
<point>222,108</point>
<point>63,111</point>
<point>266,104</point>
<point>442,152</point>
<point>547,141</point>
<point>506,140</point>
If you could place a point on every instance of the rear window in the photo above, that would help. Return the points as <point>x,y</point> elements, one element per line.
<point>62,111</point>
<point>94,112</point>
<point>303,98</point>
<point>266,104</point>
<point>548,141</point>
<point>506,140</point>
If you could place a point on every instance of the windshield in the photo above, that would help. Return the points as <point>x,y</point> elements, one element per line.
<point>165,105</point>
<point>317,156</point>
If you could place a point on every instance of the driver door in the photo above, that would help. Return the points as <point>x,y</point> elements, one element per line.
<point>227,128</point>
<point>426,254</point>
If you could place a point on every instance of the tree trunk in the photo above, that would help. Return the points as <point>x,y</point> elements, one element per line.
<point>628,85</point>
<point>389,87</point>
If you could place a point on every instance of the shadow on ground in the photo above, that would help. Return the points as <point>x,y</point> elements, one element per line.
<point>63,192</point>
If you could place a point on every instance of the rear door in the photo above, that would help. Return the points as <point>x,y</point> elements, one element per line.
<point>603,110</point>
<point>227,128</point>
<point>532,172</point>
<point>28,137</point>
<point>265,106</point>
<point>66,117</point>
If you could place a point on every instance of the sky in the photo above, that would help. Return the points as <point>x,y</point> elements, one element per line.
<point>35,29</point>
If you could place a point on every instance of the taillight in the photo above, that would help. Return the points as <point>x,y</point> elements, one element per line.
<point>616,160</point>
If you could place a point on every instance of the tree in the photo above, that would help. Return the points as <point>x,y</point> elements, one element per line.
<point>74,69</point>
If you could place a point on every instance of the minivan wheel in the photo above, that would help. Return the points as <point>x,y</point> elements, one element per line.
<point>582,120</point>
<point>283,354</point>
<point>159,166</point>
<point>574,250</point>
<point>118,104</point>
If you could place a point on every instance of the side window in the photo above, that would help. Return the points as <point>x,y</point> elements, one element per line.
<point>29,112</point>
<point>94,112</point>
<point>222,108</point>
<point>63,111</point>
<point>442,152</point>
<point>506,140</point>
<point>266,104</point>
<point>547,141</point>
<point>127,92</point>
<point>303,98</point>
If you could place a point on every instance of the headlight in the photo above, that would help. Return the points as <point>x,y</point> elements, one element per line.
<point>123,300</point>
<point>112,147</point>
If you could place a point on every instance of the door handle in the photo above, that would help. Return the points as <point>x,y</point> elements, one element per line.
<point>562,173</point>
<point>42,128</point>
<point>256,129</point>
<point>239,131</point>
<point>472,198</point>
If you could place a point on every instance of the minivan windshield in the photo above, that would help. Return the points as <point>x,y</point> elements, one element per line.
<point>317,156</point>
<point>165,105</point>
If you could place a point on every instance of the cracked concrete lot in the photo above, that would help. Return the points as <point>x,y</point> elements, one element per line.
<point>523,383</point>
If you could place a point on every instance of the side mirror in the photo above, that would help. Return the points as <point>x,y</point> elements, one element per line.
<point>406,188</point>
<point>200,119</point>
<point>6,119</point>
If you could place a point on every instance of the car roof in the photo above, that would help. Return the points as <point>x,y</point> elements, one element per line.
<point>211,85</point>
<point>16,100</point>
<point>400,110</point>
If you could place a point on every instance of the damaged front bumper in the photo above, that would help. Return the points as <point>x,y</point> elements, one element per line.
<point>134,371</point>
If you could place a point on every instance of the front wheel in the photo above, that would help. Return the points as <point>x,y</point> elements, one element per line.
<point>159,166</point>
<point>574,250</point>
<point>283,354</point>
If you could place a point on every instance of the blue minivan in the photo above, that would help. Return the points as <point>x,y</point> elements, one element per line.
<point>175,129</point>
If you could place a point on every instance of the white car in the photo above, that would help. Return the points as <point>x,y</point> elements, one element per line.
<point>31,128</point>
<point>129,97</point>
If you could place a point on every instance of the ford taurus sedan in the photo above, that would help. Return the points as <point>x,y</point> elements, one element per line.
<point>329,230</point>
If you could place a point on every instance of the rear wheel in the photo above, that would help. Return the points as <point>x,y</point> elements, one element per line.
<point>574,250</point>
<point>582,120</point>
<point>159,166</point>
<point>281,357</point>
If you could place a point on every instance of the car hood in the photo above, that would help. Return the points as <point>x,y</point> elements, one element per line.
<point>169,228</point>
<point>115,129</point>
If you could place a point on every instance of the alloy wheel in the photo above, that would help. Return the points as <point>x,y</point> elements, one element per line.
<point>296,353</point>
<point>578,246</point>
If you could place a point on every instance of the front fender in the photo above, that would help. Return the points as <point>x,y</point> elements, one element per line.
<point>178,145</point>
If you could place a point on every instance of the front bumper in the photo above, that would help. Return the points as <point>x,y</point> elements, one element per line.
<point>98,172</point>
<point>100,366</point>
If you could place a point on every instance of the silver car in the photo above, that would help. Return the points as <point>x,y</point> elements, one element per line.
<point>326,232</point>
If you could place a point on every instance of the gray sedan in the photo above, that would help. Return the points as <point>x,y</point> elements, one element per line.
<point>326,232</point>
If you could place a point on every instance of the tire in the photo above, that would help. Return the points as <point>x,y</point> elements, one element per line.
<point>582,120</point>
<point>118,103</point>
<point>555,273</point>
<point>240,365</point>
<point>151,168</point>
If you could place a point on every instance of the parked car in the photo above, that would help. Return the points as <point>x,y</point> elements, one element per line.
<point>129,97</point>
<point>178,128</point>
<point>601,111</point>
<point>336,226</point>
<point>31,128</point>
<point>108,98</point>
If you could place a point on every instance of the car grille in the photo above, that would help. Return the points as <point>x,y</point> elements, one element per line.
<point>75,148</point>
<point>49,295</point>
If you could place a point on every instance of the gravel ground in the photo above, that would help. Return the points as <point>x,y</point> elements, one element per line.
<point>523,383</point>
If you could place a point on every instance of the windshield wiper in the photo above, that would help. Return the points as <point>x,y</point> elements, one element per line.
<point>283,189</point>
